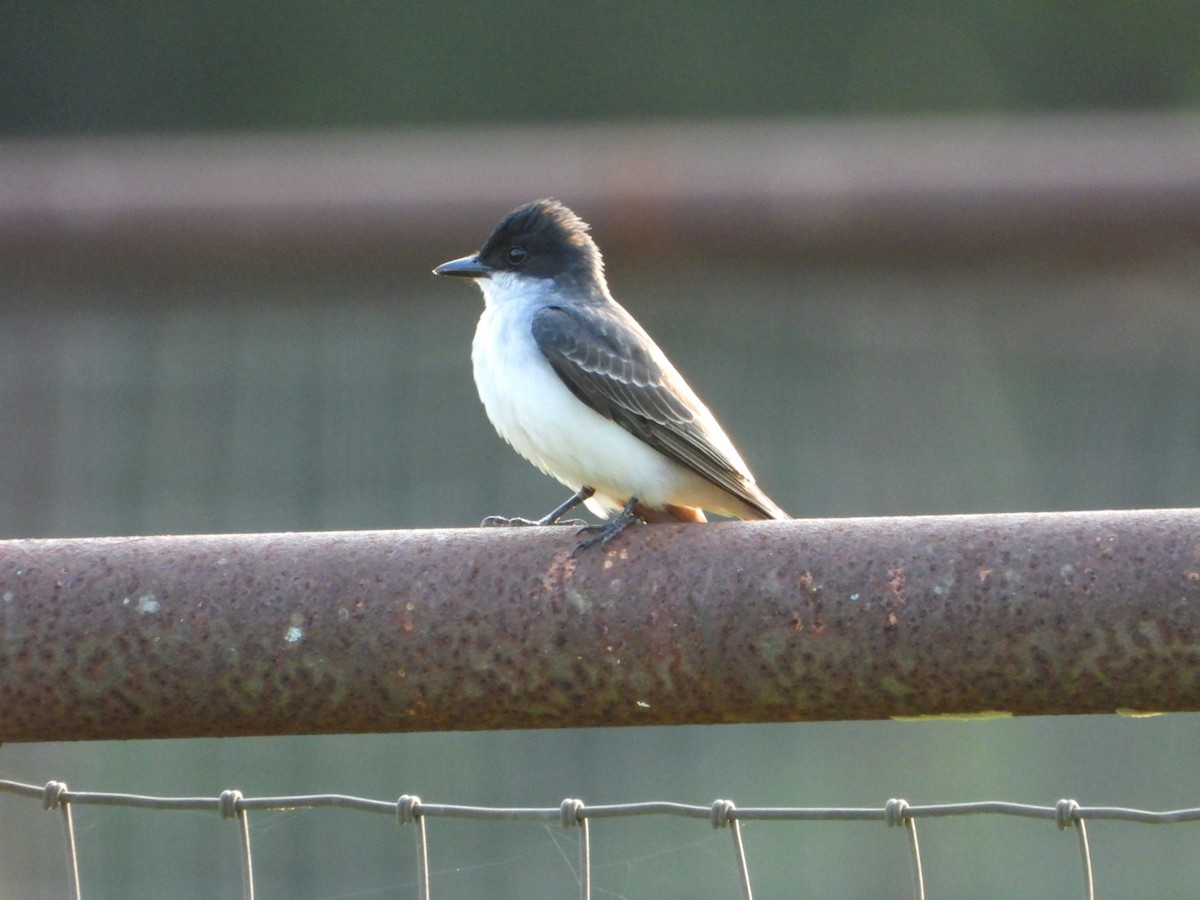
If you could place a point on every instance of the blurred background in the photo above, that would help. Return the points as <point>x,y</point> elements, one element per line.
<point>958,242</point>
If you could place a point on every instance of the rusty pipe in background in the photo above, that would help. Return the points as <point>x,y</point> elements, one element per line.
<point>154,637</point>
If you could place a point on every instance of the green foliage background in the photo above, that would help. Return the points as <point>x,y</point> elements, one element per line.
<point>148,66</point>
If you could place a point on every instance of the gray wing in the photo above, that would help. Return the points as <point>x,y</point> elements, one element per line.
<point>603,359</point>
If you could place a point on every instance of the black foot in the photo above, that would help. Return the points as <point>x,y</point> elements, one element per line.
<point>602,534</point>
<point>551,518</point>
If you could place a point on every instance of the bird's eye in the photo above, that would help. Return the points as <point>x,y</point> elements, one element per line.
<point>516,255</point>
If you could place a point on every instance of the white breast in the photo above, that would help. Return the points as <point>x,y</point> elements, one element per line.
<point>534,411</point>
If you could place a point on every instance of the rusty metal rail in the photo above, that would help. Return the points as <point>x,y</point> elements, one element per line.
<point>445,630</point>
<point>1101,185</point>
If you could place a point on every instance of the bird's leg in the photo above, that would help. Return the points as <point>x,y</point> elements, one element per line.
<point>551,518</point>
<point>609,530</point>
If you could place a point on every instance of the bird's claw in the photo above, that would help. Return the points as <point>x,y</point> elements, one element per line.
<point>505,522</point>
<point>551,518</point>
<point>602,534</point>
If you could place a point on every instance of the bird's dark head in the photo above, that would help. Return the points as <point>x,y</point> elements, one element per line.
<point>542,239</point>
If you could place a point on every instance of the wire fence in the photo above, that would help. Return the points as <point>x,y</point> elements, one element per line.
<point>572,813</point>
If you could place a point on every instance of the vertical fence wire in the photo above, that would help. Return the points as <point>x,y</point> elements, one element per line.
<point>231,808</point>
<point>1066,814</point>
<point>739,851</point>
<point>895,813</point>
<point>422,860</point>
<point>408,809</point>
<point>247,864</point>
<point>915,847</point>
<point>585,861</point>
<point>54,794</point>
<point>1085,853</point>
<point>571,815</point>
<point>722,816</point>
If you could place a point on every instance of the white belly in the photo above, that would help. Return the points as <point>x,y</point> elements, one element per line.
<point>534,411</point>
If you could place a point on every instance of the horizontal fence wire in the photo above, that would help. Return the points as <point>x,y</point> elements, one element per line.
<point>574,813</point>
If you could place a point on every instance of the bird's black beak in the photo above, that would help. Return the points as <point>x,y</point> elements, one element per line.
<point>467,267</point>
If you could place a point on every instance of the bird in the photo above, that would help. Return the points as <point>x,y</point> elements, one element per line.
<point>571,380</point>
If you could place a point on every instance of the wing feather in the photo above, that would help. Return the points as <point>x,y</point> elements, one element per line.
<point>608,362</point>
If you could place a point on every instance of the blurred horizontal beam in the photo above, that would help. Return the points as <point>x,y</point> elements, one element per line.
<point>1092,185</point>
<point>497,629</point>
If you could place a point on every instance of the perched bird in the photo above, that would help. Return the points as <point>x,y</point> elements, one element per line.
<point>579,389</point>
